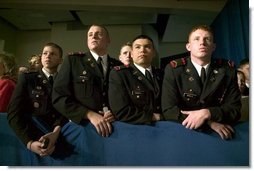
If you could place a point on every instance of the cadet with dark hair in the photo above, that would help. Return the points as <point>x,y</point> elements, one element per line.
<point>135,89</point>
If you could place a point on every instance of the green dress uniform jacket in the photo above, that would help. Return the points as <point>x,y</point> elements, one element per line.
<point>32,99</point>
<point>132,98</point>
<point>182,90</point>
<point>80,86</point>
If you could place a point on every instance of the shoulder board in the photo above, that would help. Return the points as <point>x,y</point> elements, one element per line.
<point>220,62</point>
<point>118,68</point>
<point>76,53</point>
<point>177,62</point>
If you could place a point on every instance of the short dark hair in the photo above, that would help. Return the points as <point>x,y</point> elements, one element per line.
<point>101,26</point>
<point>142,36</point>
<point>244,62</point>
<point>55,46</point>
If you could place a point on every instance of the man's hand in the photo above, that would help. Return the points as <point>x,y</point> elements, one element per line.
<point>225,131</point>
<point>195,118</point>
<point>156,117</point>
<point>102,126</point>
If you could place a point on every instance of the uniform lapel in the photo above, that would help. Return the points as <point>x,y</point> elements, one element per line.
<point>191,75</point>
<point>140,76</point>
<point>215,76</point>
<point>91,63</point>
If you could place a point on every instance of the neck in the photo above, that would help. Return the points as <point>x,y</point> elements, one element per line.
<point>50,70</point>
<point>202,62</point>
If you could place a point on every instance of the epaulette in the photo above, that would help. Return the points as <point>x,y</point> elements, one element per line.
<point>118,68</point>
<point>178,62</point>
<point>220,62</point>
<point>80,53</point>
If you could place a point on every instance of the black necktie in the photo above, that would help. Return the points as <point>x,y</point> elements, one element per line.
<point>100,64</point>
<point>51,81</point>
<point>203,75</point>
<point>148,76</point>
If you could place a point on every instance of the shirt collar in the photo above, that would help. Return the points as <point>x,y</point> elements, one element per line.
<point>96,56</point>
<point>142,69</point>
<point>47,73</point>
<point>199,67</point>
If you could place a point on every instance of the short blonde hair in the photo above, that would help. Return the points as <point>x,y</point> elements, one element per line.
<point>9,63</point>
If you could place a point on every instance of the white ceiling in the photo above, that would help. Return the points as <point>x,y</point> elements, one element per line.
<point>172,18</point>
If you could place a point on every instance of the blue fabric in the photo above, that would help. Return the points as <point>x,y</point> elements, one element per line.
<point>231,31</point>
<point>163,144</point>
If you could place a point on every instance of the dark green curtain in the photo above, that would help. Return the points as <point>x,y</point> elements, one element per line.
<point>231,31</point>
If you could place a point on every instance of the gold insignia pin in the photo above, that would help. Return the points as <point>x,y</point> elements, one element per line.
<point>36,105</point>
<point>38,87</point>
<point>187,70</point>
<point>44,81</point>
<point>215,71</point>
<point>191,79</point>
<point>84,72</point>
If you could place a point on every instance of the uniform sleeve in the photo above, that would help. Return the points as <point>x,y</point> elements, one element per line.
<point>230,109</point>
<point>19,114</point>
<point>170,95</point>
<point>122,106</point>
<point>63,97</point>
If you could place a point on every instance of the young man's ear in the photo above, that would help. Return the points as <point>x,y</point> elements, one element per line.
<point>188,46</point>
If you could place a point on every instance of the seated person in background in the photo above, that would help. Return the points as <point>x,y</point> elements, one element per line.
<point>23,69</point>
<point>201,92</point>
<point>245,98</point>
<point>241,83</point>
<point>125,54</point>
<point>35,63</point>
<point>30,113</point>
<point>7,80</point>
<point>245,68</point>
<point>134,90</point>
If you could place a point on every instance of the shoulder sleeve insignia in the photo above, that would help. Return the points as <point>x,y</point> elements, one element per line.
<point>223,62</point>
<point>118,68</point>
<point>177,62</point>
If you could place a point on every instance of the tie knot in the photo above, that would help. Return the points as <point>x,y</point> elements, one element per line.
<point>51,80</point>
<point>99,59</point>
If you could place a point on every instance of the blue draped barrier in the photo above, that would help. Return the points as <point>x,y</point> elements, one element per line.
<point>163,144</point>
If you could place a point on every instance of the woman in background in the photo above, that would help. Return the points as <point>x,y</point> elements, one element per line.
<point>8,73</point>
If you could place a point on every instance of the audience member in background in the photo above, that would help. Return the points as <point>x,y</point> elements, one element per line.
<point>23,69</point>
<point>31,114</point>
<point>35,63</point>
<point>81,88</point>
<point>201,92</point>
<point>241,83</point>
<point>125,54</point>
<point>245,97</point>
<point>245,68</point>
<point>8,77</point>
<point>135,89</point>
